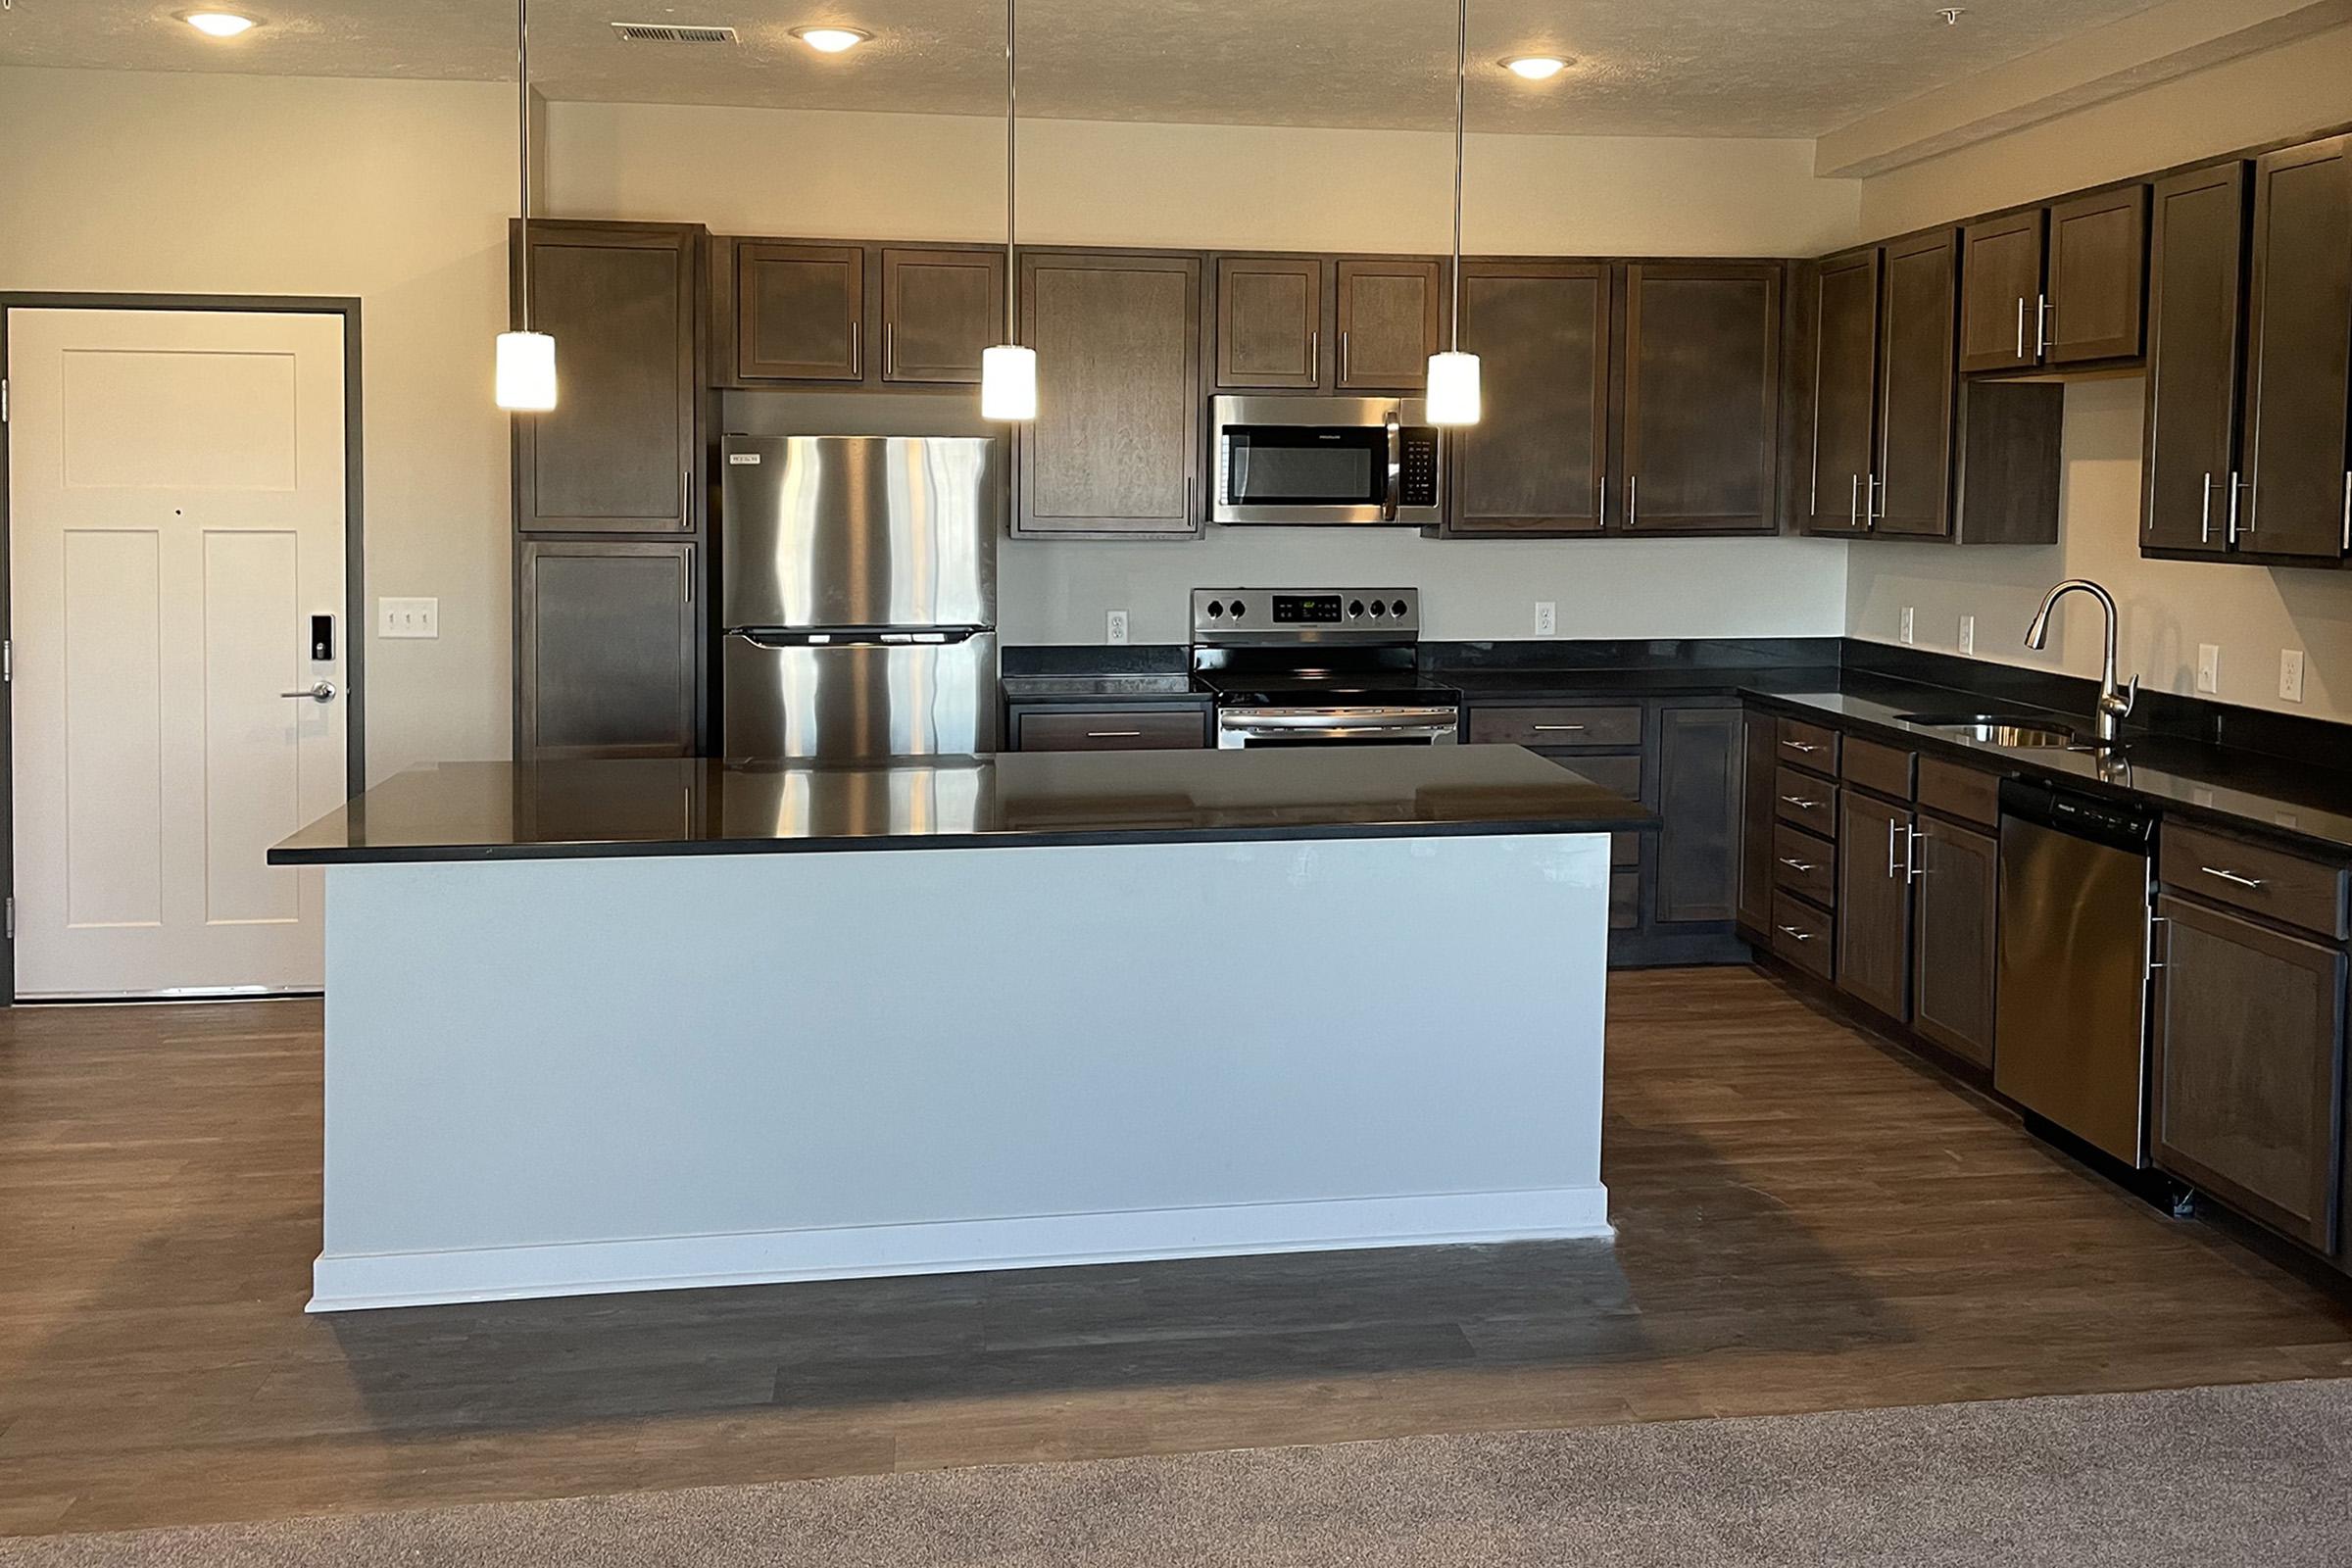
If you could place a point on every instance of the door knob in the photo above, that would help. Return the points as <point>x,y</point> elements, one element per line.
<point>324,692</point>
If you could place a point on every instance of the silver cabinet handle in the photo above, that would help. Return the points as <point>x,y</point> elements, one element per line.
<point>1114,734</point>
<point>1876,513</point>
<point>1633,493</point>
<point>2348,508</point>
<point>2041,325</point>
<point>1806,746</point>
<point>890,348</point>
<point>2237,488</point>
<point>1801,801</point>
<point>857,347</point>
<point>2234,876</point>
<point>1346,360</point>
<point>324,692</point>
<point>2205,514</point>
<point>1314,354</point>
<point>1601,498</point>
<point>1795,864</point>
<point>1892,827</point>
<point>2156,925</point>
<point>1556,729</point>
<point>1791,931</point>
<point>686,501</point>
<point>1915,861</point>
<point>2020,330</point>
<point>1853,502</point>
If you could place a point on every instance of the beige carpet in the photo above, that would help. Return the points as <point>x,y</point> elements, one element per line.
<point>2258,1475</point>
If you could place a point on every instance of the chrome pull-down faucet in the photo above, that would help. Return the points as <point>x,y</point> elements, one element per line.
<point>2115,701</point>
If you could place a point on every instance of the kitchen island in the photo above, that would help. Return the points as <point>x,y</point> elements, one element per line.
<point>647,1024</point>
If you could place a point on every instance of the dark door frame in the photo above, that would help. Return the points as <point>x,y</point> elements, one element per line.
<point>355,599</point>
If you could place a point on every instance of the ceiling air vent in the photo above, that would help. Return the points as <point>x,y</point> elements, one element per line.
<point>666,32</point>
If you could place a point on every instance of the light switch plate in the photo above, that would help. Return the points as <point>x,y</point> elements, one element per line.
<point>1968,634</point>
<point>1114,627</point>
<point>1548,618</point>
<point>2291,674</point>
<point>1907,619</point>
<point>408,618</point>
<point>2209,669</point>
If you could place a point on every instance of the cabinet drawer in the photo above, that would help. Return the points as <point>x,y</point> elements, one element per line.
<point>1555,727</point>
<point>1808,745</point>
<point>1880,769</point>
<point>1137,730</point>
<point>1804,865</point>
<point>1625,900</point>
<point>1803,935</point>
<point>1809,802</point>
<point>2274,883</point>
<point>1625,849</point>
<point>1968,794</point>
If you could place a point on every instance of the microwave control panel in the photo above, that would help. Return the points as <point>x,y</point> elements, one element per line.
<point>1417,467</point>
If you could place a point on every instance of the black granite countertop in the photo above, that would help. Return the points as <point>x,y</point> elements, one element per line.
<point>660,807</point>
<point>1508,686</point>
<point>2225,787</point>
<point>1123,689</point>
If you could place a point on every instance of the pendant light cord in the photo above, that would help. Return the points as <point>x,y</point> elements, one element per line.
<point>1461,74</point>
<point>522,79</point>
<point>1013,171</point>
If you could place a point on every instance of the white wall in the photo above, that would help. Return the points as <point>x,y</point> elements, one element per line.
<point>2169,608</point>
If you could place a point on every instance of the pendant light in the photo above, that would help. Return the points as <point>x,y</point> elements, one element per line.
<point>1008,372</point>
<point>1453,375</point>
<point>527,359</point>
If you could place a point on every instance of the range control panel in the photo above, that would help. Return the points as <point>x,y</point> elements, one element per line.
<point>1390,613</point>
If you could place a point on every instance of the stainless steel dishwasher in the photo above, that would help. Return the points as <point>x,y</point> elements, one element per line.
<point>2070,1010</point>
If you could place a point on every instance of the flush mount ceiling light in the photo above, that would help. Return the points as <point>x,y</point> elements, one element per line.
<point>1453,394</point>
<point>218,24</point>
<point>1535,68</point>
<point>527,359</point>
<point>1008,372</point>
<point>831,40</point>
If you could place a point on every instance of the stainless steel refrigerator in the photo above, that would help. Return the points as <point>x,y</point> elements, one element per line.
<point>858,594</point>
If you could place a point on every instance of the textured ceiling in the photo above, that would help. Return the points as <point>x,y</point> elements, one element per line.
<point>1705,68</point>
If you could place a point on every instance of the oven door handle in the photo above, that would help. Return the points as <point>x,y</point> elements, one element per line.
<point>1391,497</point>
<point>1409,722</point>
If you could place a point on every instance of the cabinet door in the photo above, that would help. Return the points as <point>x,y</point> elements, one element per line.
<point>604,648</point>
<point>799,312</point>
<point>1699,418</point>
<point>2248,1057</point>
<point>1533,464</point>
<point>2098,277</point>
<point>1388,316</point>
<point>2299,353</point>
<point>1115,448</point>
<point>2000,273</point>
<point>1700,807</point>
<point>2196,305</point>
<point>1269,321</point>
<point>1846,392</point>
<point>1956,889</point>
<point>1760,733</point>
<point>940,311</point>
<point>619,452</point>
<point>1919,333</point>
<point>1873,904</point>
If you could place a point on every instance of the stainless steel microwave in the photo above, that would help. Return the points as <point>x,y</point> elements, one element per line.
<point>1374,462</point>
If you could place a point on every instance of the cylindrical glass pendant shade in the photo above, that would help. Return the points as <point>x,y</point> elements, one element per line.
<point>1008,383</point>
<point>1454,397</point>
<point>526,372</point>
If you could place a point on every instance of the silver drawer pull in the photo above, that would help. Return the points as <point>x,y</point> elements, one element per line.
<point>1791,931</point>
<point>2233,876</point>
<point>1801,801</point>
<point>1795,865</point>
<point>1801,746</point>
<point>1556,729</point>
<point>1114,734</point>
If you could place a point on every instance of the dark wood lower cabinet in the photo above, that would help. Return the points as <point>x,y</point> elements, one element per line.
<point>1758,818</point>
<point>1156,729</point>
<point>1699,801</point>
<point>1955,910</point>
<point>1873,904</point>
<point>604,648</point>
<point>2249,1053</point>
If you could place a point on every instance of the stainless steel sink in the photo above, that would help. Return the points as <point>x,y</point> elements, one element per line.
<point>1995,729</point>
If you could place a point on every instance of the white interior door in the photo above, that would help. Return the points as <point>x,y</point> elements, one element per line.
<point>176,517</point>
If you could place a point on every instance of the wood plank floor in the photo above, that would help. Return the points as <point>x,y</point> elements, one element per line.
<point>1809,1221</point>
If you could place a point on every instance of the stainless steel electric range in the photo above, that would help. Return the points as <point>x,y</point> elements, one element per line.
<point>1318,666</point>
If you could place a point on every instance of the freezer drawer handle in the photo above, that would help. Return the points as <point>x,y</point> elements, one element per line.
<point>2242,881</point>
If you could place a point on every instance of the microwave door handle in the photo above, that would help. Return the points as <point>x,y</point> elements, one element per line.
<point>1389,499</point>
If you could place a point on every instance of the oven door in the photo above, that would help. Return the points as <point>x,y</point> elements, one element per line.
<point>1248,728</point>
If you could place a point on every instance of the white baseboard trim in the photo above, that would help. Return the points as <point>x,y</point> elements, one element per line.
<point>355,1282</point>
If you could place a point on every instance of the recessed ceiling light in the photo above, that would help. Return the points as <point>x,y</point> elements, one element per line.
<point>1536,67</point>
<point>218,24</point>
<point>831,40</point>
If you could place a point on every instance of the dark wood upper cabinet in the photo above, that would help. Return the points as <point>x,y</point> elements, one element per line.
<point>799,312</point>
<point>2248,1097</point>
<point>621,450</point>
<point>1846,391</point>
<point>1918,331</point>
<point>604,648</point>
<point>1954,907</point>
<point>941,310</point>
<point>1699,801</point>
<point>1533,465</point>
<point>2196,310</point>
<point>1116,446</point>
<point>2001,292</point>
<point>1269,321</point>
<point>1698,413</point>
<point>1758,816</point>
<point>1389,315</point>
<point>2098,277</point>
<point>1874,903</point>
<point>2298,501</point>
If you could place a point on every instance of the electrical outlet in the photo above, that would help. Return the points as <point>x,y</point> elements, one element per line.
<point>1968,634</point>
<point>1907,638</point>
<point>408,618</point>
<point>2291,674</point>
<point>1548,618</point>
<point>1114,627</point>
<point>2209,669</point>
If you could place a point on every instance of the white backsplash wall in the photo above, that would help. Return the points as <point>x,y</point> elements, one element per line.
<point>1058,591</point>
<point>2169,608</point>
